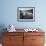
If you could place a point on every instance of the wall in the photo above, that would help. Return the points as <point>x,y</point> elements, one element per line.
<point>9,13</point>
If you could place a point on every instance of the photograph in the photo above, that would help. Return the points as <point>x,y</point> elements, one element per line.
<point>26,14</point>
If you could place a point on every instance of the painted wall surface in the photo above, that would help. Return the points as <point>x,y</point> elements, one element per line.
<point>8,13</point>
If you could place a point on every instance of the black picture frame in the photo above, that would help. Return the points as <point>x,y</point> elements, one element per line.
<point>26,14</point>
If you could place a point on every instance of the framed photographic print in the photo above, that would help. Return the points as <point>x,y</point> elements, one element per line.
<point>26,14</point>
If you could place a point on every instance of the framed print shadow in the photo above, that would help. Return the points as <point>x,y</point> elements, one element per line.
<point>26,14</point>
